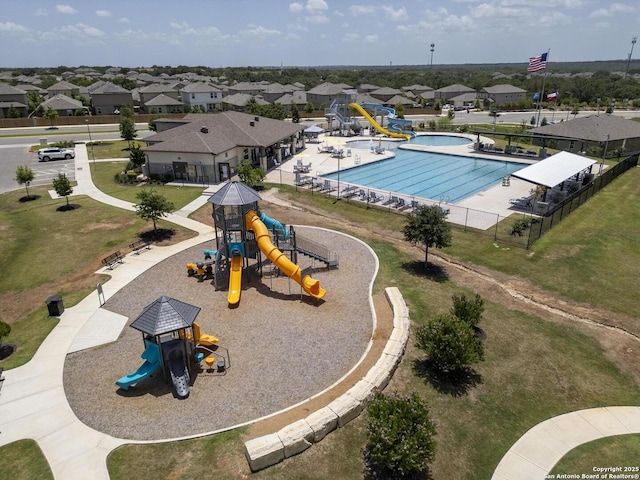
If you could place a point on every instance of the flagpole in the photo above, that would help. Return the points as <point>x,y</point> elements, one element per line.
<point>544,79</point>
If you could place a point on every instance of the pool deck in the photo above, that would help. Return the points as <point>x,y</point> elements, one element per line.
<point>489,203</point>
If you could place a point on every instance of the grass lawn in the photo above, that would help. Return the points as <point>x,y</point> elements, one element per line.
<point>44,252</point>
<point>605,452</point>
<point>591,257</point>
<point>103,174</point>
<point>24,460</point>
<point>534,368</point>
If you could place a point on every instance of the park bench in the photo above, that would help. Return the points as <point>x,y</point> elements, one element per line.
<point>139,245</point>
<point>111,260</point>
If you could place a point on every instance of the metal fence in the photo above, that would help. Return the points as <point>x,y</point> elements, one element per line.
<point>564,208</point>
<point>504,229</point>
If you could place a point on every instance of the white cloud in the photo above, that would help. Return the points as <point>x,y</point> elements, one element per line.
<point>123,20</point>
<point>78,34</point>
<point>41,12</point>
<point>357,10</point>
<point>10,27</point>
<point>179,25</point>
<point>258,31</point>
<point>395,15</point>
<point>371,39</point>
<point>66,9</point>
<point>103,13</point>
<point>614,9</point>
<point>317,19</point>
<point>352,37</point>
<point>316,6</point>
<point>295,7</point>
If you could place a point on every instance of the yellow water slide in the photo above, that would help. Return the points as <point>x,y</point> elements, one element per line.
<point>279,259</point>
<point>376,125</point>
<point>235,280</point>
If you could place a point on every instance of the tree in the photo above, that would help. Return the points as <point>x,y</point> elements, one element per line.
<point>152,206</point>
<point>295,114</point>
<point>50,114</point>
<point>428,226</point>
<point>449,343</point>
<point>250,176</point>
<point>126,111</point>
<point>152,125</point>
<point>5,330</point>
<point>400,437</point>
<point>308,108</point>
<point>574,111</point>
<point>252,107</point>
<point>13,112</point>
<point>137,156</point>
<point>24,176</point>
<point>62,186</point>
<point>468,310</point>
<point>127,130</point>
<point>399,108</point>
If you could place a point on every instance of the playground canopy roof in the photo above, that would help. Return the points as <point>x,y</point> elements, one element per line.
<point>234,193</point>
<point>165,315</point>
<point>314,129</point>
<point>555,169</point>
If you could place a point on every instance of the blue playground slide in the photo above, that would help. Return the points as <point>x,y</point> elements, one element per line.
<point>152,363</point>
<point>272,223</point>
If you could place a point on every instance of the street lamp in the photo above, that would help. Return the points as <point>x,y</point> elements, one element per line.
<point>433,46</point>
<point>90,141</point>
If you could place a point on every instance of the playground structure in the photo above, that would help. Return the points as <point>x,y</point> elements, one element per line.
<point>173,342</point>
<point>341,107</point>
<point>247,235</point>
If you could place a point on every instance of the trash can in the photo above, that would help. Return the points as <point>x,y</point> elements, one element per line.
<point>55,306</point>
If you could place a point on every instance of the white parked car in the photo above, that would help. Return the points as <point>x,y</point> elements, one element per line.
<point>55,153</point>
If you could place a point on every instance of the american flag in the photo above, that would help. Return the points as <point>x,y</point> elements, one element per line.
<point>537,63</point>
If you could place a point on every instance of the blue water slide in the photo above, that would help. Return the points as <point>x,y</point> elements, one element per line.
<point>272,223</point>
<point>394,124</point>
<point>153,362</point>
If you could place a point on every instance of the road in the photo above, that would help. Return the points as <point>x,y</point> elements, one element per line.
<point>15,144</point>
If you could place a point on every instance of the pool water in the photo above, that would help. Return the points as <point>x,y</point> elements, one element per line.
<point>436,176</point>
<point>439,140</point>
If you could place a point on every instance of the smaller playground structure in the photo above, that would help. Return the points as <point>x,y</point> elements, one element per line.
<point>341,107</point>
<point>247,234</point>
<point>174,344</point>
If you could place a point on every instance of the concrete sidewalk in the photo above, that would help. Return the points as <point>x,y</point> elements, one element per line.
<point>33,403</point>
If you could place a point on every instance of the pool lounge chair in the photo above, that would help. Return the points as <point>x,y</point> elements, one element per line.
<point>374,197</point>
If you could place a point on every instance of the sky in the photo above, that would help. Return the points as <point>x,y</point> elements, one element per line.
<point>307,33</point>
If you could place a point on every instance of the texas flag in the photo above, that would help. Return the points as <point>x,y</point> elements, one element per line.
<point>552,96</point>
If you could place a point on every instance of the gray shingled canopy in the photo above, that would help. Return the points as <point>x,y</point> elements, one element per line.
<point>165,315</point>
<point>234,193</point>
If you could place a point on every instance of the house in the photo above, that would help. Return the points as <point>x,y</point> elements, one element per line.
<point>206,148</point>
<point>603,133</point>
<point>63,88</point>
<point>238,101</point>
<point>385,93</point>
<point>298,98</point>
<point>13,98</point>
<point>65,106</point>
<point>447,94</point>
<point>163,104</point>
<point>247,88</point>
<point>107,98</point>
<point>202,96</point>
<point>148,92</point>
<point>325,93</point>
<point>502,95</point>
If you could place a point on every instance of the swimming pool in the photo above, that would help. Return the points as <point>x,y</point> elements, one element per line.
<point>440,140</point>
<point>436,176</point>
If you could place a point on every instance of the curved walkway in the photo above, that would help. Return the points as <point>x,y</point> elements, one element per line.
<point>537,451</point>
<point>33,404</point>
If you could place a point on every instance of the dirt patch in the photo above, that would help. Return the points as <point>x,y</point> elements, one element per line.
<point>92,227</point>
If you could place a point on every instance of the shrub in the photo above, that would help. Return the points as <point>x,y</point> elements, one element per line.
<point>400,437</point>
<point>520,226</point>
<point>449,343</point>
<point>467,310</point>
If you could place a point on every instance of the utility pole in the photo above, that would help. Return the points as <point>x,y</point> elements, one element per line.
<point>433,46</point>
<point>633,42</point>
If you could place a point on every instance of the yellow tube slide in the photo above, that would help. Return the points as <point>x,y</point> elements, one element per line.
<point>235,280</point>
<point>279,259</point>
<point>376,125</point>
